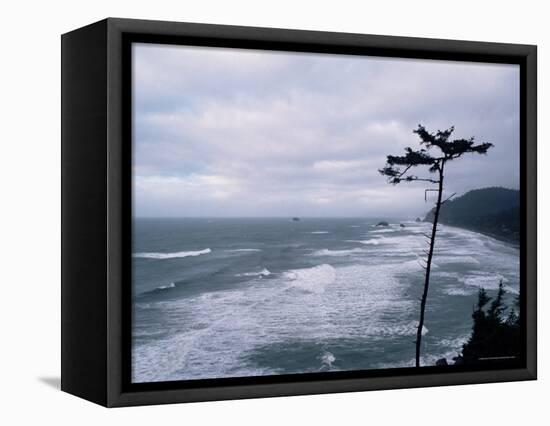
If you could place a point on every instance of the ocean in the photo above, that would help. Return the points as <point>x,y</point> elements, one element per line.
<point>239,297</point>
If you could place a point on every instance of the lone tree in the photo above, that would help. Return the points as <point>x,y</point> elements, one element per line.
<point>398,168</point>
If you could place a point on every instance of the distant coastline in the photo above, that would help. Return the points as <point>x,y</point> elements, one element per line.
<point>490,211</point>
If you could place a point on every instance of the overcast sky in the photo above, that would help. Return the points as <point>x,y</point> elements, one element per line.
<point>225,132</point>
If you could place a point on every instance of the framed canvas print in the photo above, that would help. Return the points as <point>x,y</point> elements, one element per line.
<point>252,212</point>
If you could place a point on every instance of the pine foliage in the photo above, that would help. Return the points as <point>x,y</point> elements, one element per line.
<point>495,335</point>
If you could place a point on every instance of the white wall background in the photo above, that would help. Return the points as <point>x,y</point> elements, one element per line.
<point>30,211</point>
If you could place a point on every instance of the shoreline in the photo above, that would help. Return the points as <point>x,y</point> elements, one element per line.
<point>512,242</point>
<point>501,238</point>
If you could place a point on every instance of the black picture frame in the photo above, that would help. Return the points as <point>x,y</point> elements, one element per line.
<point>96,210</point>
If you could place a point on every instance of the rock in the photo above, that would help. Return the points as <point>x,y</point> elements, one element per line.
<point>418,219</point>
<point>441,362</point>
<point>458,360</point>
<point>383,223</point>
<point>401,225</point>
<point>295,219</point>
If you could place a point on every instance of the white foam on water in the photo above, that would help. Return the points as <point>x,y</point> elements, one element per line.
<point>350,252</point>
<point>455,258</point>
<point>212,333</point>
<point>486,280</point>
<point>164,287</point>
<point>327,358</point>
<point>319,232</point>
<point>401,329</point>
<point>419,231</point>
<point>452,291</point>
<point>443,274</point>
<point>455,342</point>
<point>383,231</point>
<point>175,255</point>
<point>263,273</point>
<point>400,244</point>
<point>313,280</point>
<point>243,250</point>
<point>372,241</point>
<point>510,289</point>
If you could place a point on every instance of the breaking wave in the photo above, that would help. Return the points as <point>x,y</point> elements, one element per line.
<point>372,241</point>
<point>164,287</point>
<point>263,273</point>
<point>312,280</point>
<point>327,252</point>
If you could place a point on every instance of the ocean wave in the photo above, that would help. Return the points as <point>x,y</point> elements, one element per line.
<point>418,229</point>
<point>451,291</point>
<point>384,231</point>
<point>243,250</point>
<point>175,255</point>
<point>487,281</point>
<point>372,241</point>
<point>456,342</point>
<point>455,258</point>
<point>312,280</point>
<point>319,232</point>
<point>327,252</point>
<point>263,273</point>
<point>164,287</point>
<point>407,329</point>
<point>443,274</point>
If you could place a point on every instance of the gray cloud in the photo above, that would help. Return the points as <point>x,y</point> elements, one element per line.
<point>221,132</point>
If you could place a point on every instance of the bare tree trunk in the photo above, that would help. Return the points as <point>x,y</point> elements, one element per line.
<point>429,267</point>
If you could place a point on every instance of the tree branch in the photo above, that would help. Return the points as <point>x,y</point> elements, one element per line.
<point>448,198</point>
<point>411,178</point>
<point>404,171</point>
